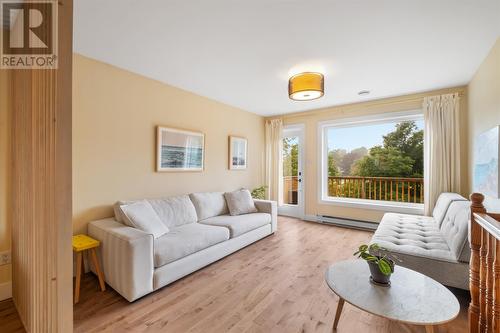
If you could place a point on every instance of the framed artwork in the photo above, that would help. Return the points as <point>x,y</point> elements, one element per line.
<point>486,156</point>
<point>237,153</point>
<point>179,150</point>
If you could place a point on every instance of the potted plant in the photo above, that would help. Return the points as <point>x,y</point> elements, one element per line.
<point>259,192</point>
<point>380,261</point>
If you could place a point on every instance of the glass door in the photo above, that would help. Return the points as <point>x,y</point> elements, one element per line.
<point>293,178</point>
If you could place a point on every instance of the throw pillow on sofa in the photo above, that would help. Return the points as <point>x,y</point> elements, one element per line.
<point>240,202</point>
<point>142,216</point>
<point>118,211</point>
<point>209,204</point>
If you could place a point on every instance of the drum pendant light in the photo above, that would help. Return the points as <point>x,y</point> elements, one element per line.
<point>306,86</point>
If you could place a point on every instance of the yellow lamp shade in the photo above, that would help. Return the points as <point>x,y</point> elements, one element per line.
<point>306,86</point>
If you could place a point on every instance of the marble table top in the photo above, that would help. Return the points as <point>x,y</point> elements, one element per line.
<point>412,297</point>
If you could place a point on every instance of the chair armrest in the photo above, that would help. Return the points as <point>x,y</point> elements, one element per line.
<point>270,207</point>
<point>127,257</point>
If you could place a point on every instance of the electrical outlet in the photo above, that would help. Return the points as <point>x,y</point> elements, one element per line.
<point>5,258</point>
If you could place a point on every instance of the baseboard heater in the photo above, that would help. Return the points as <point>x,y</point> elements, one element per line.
<point>347,223</point>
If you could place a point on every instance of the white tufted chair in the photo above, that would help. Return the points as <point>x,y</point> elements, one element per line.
<point>437,245</point>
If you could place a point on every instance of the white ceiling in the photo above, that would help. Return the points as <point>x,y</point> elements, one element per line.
<point>242,52</point>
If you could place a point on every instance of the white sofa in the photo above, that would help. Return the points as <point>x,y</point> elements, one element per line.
<point>436,245</point>
<point>201,232</point>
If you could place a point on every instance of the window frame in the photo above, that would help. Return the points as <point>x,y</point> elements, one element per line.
<point>373,119</point>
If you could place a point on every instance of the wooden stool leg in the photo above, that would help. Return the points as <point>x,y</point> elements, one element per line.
<point>337,314</point>
<point>98,269</point>
<point>430,329</point>
<point>79,263</point>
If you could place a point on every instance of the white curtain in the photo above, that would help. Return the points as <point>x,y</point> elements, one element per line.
<point>274,145</point>
<point>441,147</point>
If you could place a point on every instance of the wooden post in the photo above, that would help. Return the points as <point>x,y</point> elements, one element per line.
<point>403,191</point>
<point>496,282</point>
<point>475,246</point>
<point>409,198</point>
<point>489,281</point>
<point>385,190</point>
<point>40,207</point>
<point>380,189</point>
<point>363,194</point>
<point>483,271</point>
<point>391,190</point>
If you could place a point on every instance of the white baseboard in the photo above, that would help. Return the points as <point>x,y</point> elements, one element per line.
<point>348,223</point>
<point>312,218</point>
<point>5,290</point>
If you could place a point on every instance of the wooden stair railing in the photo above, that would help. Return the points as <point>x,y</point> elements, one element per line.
<point>484,308</point>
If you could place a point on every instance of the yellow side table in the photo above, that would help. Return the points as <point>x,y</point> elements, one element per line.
<point>82,243</point>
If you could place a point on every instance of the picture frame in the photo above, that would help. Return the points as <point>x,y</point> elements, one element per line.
<point>238,153</point>
<point>179,150</point>
<point>486,175</point>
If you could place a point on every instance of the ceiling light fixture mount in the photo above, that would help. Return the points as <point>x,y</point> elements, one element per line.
<point>306,86</point>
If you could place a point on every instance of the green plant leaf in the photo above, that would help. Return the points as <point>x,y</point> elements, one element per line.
<point>369,257</point>
<point>384,266</point>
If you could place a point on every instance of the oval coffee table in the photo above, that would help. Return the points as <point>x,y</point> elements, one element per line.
<point>412,298</point>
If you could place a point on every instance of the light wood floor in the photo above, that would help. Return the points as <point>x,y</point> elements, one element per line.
<point>274,285</point>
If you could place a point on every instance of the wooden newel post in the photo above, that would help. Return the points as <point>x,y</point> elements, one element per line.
<point>475,265</point>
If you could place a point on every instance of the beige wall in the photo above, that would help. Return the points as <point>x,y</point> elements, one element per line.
<point>484,106</point>
<point>5,228</point>
<point>311,119</point>
<point>115,114</point>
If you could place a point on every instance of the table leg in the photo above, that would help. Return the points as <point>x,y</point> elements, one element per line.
<point>79,263</point>
<point>337,314</point>
<point>97,269</point>
<point>430,329</point>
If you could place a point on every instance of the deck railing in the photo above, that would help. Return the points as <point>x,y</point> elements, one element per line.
<point>398,189</point>
<point>290,188</point>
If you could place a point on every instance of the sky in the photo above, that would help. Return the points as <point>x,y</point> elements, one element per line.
<point>350,138</point>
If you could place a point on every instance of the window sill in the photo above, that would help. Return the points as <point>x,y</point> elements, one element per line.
<point>386,206</point>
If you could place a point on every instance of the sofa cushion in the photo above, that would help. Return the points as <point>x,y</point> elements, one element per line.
<point>174,211</point>
<point>241,224</point>
<point>209,204</point>
<point>443,202</point>
<point>454,229</point>
<point>141,215</point>
<point>185,240</point>
<point>240,202</point>
<point>413,235</point>
<point>117,210</point>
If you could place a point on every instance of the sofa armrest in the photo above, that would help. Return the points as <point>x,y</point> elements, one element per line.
<point>270,207</point>
<point>127,257</point>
